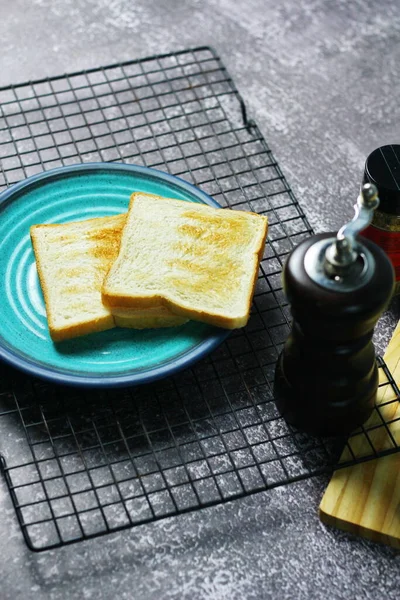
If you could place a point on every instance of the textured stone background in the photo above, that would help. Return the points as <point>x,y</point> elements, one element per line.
<point>320,77</point>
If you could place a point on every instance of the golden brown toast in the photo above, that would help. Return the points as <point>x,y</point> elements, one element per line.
<point>198,262</point>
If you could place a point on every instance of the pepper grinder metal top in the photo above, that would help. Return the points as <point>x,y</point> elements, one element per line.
<point>344,263</point>
<point>326,377</point>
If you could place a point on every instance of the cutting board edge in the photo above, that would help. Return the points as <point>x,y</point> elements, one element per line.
<point>359,530</point>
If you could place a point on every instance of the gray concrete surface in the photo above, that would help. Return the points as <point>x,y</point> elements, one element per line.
<point>320,77</point>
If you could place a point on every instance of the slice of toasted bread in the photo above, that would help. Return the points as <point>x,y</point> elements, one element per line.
<point>197,261</point>
<point>72,260</point>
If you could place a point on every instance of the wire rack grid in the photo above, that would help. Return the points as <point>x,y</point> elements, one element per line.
<point>79,464</point>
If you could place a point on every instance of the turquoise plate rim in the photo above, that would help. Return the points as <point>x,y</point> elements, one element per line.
<point>60,376</point>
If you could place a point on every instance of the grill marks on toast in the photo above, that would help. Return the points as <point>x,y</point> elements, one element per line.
<point>209,237</point>
<point>72,262</point>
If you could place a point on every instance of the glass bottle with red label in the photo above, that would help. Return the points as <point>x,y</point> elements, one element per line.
<point>382,168</point>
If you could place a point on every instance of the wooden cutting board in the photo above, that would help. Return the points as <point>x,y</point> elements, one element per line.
<point>365,498</point>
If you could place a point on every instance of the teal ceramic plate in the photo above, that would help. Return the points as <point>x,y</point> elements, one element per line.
<point>112,358</point>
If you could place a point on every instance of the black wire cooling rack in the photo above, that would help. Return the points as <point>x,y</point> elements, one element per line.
<point>79,464</point>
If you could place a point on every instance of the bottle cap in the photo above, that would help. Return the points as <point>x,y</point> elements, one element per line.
<point>382,168</point>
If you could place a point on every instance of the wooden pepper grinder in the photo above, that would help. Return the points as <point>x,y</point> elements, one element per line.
<point>326,377</point>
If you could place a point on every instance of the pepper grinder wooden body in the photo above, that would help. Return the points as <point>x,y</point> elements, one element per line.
<point>326,377</point>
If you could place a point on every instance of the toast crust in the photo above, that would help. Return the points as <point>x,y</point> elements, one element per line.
<point>80,329</point>
<point>150,322</point>
<point>146,318</point>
